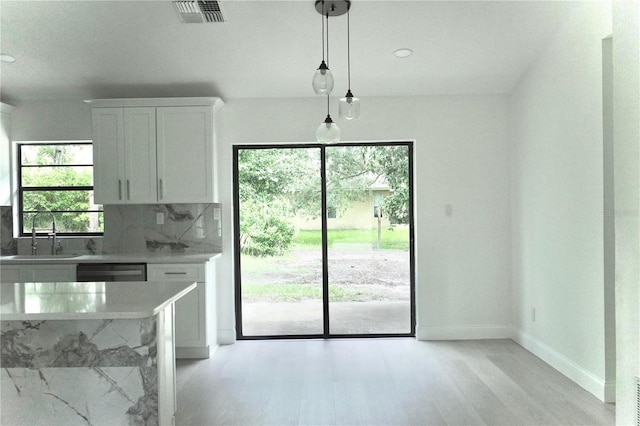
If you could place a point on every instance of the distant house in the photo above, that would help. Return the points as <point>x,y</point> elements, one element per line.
<point>359,215</point>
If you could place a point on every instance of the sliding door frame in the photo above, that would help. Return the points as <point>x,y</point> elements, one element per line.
<point>325,250</point>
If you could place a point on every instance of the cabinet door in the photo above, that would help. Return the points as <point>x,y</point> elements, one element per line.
<point>140,185</point>
<point>190,322</point>
<point>11,274</point>
<point>185,154</point>
<point>108,155</point>
<point>50,273</point>
<point>190,312</point>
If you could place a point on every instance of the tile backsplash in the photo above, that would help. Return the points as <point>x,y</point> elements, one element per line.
<point>70,245</point>
<point>184,228</point>
<point>162,228</point>
<point>8,244</point>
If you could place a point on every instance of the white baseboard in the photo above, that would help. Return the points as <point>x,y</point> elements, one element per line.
<point>601,390</point>
<point>193,353</point>
<point>610,391</point>
<point>226,336</point>
<point>465,332</point>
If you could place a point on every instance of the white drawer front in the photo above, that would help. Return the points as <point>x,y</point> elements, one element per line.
<point>11,274</point>
<point>175,272</point>
<point>50,273</point>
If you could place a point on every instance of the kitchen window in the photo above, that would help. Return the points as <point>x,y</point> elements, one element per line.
<point>57,177</point>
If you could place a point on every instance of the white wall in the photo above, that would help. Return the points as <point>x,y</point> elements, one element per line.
<point>461,158</point>
<point>626,137</point>
<point>51,121</point>
<point>609,221</point>
<point>5,154</point>
<point>557,201</point>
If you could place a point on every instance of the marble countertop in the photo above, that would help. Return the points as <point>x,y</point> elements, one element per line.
<point>88,300</point>
<point>109,258</point>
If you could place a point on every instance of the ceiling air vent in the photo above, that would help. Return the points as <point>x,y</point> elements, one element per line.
<point>192,12</point>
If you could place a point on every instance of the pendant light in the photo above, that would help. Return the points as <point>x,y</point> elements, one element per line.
<point>349,106</point>
<point>328,131</point>
<point>323,78</point>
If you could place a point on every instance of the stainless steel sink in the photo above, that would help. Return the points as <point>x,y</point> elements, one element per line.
<point>41,256</point>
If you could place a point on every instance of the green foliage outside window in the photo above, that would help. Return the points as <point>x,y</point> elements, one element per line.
<point>264,228</point>
<point>277,184</point>
<point>58,178</point>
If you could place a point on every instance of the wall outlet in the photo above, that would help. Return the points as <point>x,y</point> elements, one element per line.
<point>448,210</point>
<point>533,314</point>
<point>160,218</point>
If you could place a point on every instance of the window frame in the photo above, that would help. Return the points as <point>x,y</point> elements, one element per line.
<point>377,201</point>
<point>21,189</point>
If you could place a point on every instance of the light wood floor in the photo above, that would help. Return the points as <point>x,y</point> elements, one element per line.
<point>380,382</point>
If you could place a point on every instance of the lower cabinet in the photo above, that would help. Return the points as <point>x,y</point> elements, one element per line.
<point>49,273</point>
<point>37,273</point>
<point>11,274</point>
<point>195,327</point>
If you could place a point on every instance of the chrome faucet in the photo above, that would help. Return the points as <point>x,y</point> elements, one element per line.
<point>52,234</point>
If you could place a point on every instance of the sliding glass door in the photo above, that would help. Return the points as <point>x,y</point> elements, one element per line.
<point>281,291</point>
<point>369,256</point>
<point>323,240</point>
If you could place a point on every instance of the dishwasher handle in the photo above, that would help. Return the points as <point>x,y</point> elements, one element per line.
<point>109,273</point>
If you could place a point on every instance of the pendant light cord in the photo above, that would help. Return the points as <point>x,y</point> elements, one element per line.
<point>328,39</point>
<point>322,19</point>
<point>348,53</point>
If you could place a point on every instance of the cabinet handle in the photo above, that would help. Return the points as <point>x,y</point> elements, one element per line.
<point>161,190</point>
<point>128,191</point>
<point>119,189</point>
<point>175,273</point>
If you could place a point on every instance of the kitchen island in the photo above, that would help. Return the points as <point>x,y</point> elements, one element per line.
<point>88,353</point>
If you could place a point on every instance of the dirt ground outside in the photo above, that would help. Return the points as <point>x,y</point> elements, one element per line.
<point>371,274</point>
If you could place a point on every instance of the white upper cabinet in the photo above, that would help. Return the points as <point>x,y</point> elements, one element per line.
<point>5,155</point>
<point>150,151</point>
<point>185,154</point>
<point>139,155</point>
<point>108,154</point>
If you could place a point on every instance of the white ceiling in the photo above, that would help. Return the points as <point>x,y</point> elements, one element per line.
<point>98,49</point>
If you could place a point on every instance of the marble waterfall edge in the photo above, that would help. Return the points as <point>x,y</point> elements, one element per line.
<point>99,372</point>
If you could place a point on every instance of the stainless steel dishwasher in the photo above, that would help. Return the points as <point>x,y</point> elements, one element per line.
<point>111,272</point>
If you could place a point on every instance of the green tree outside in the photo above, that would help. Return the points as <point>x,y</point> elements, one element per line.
<point>58,168</point>
<point>276,184</point>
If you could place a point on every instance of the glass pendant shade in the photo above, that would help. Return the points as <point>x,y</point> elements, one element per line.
<point>323,80</point>
<point>349,106</point>
<point>328,131</point>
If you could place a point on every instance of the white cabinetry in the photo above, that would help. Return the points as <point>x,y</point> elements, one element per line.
<point>154,150</point>
<point>11,274</point>
<point>5,155</point>
<point>195,324</point>
<point>124,155</point>
<point>49,273</point>
<point>38,273</point>
<point>185,154</point>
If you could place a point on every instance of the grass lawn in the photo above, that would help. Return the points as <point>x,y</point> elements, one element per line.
<point>392,238</point>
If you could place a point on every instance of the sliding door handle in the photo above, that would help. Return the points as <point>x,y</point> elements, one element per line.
<point>119,189</point>
<point>160,190</point>
<point>128,190</point>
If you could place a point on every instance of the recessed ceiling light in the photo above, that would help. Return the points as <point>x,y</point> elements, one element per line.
<point>6,58</point>
<point>403,52</point>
